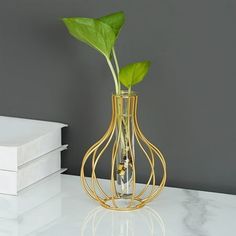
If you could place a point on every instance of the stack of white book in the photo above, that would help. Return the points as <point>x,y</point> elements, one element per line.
<point>30,150</point>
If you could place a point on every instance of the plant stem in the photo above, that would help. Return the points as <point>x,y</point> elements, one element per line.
<point>117,65</point>
<point>114,75</point>
<point>116,61</point>
<point>129,90</point>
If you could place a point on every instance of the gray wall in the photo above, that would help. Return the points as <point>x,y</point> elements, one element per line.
<point>187,103</point>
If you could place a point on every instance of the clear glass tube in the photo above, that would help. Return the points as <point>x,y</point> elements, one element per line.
<point>124,140</point>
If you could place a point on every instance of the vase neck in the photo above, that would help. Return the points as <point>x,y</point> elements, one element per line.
<point>124,104</point>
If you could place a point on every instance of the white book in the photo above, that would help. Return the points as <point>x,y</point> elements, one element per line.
<point>11,182</point>
<point>22,140</point>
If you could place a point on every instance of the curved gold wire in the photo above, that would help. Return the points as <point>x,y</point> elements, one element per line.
<point>158,153</point>
<point>132,157</point>
<point>91,150</point>
<point>95,190</point>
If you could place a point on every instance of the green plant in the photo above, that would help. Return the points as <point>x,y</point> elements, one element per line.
<point>101,34</point>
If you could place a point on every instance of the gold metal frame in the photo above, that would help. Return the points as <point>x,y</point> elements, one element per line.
<point>95,190</point>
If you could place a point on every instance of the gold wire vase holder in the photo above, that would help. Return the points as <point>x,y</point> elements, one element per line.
<point>122,133</point>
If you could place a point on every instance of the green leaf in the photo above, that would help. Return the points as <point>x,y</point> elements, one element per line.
<point>115,21</point>
<point>93,32</point>
<point>133,73</point>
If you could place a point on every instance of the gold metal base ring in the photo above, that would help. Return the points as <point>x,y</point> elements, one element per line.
<point>139,204</point>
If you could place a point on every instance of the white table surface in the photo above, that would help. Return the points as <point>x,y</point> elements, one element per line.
<point>57,206</point>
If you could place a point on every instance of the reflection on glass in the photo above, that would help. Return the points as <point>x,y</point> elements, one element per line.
<point>145,221</point>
